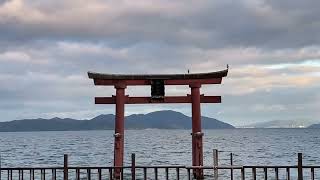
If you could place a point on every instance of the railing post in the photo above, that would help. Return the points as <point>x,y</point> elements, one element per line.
<point>243,177</point>
<point>167,173</point>
<point>145,173</point>
<point>99,174</point>
<point>43,174</point>
<point>231,163</point>
<point>156,173</point>
<point>54,174</point>
<point>65,167</point>
<point>277,173</point>
<point>288,174</point>
<point>300,170</point>
<point>0,166</point>
<point>133,166</point>
<point>254,173</point>
<point>215,163</point>
<point>189,177</point>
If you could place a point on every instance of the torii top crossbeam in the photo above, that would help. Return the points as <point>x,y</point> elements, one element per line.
<point>157,81</point>
<point>216,74</point>
<point>169,79</point>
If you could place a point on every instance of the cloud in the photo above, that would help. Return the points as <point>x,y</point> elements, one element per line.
<point>205,24</point>
<point>272,47</point>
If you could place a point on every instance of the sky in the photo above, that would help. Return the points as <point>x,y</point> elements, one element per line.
<point>271,46</point>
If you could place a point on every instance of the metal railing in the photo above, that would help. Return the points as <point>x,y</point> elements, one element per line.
<point>152,172</point>
<point>134,172</point>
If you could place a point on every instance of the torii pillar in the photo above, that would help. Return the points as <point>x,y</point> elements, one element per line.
<point>119,127</point>
<point>197,148</point>
<point>157,83</point>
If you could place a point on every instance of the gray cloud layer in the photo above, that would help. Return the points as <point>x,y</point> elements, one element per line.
<point>267,24</point>
<point>46,48</point>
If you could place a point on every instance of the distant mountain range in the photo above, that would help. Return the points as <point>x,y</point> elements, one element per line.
<point>282,124</point>
<point>314,126</point>
<point>158,119</point>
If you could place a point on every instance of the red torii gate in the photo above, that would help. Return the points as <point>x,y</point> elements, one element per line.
<point>157,83</point>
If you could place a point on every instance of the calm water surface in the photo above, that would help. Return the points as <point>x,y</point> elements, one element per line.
<point>160,147</point>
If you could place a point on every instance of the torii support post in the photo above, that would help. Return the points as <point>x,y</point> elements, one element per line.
<point>197,148</point>
<point>121,81</point>
<point>119,129</point>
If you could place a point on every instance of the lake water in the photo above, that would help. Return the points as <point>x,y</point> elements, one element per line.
<point>160,147</point>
